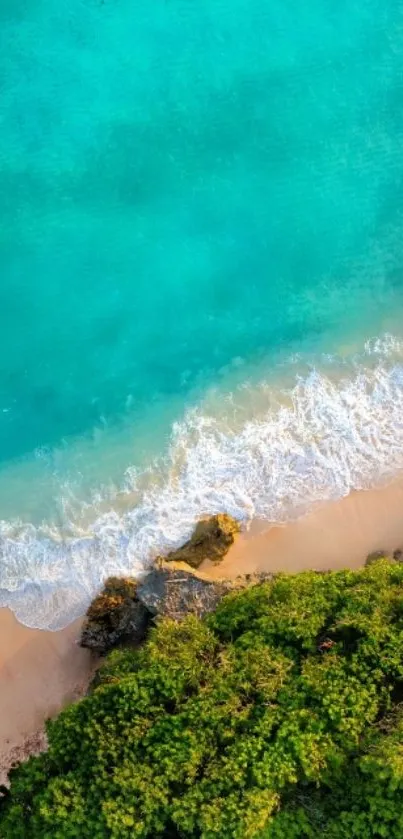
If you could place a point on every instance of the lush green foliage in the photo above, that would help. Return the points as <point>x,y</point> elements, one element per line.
<point>276,718</point>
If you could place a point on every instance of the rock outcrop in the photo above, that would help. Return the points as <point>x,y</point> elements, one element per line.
<point>174,590</point>
<point>115,616</point>
<point>211,540</point>
<point>124,609</point>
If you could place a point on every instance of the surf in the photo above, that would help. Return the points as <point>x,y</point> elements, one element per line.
<point>266,450</point>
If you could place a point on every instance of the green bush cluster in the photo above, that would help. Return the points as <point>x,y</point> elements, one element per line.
<point>278,717</point>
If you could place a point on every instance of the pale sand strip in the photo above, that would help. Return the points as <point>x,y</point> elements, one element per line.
<point>40,672</point>
<point>339,534</point>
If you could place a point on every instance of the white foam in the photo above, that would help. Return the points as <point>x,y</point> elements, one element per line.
<point>262,452</point>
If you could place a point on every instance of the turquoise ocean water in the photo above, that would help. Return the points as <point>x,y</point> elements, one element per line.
<point>201,274</point>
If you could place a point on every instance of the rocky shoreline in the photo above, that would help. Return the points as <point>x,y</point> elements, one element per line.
<point>125,609</point>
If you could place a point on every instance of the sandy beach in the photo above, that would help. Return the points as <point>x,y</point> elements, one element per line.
<point>337,534</point>
<point>40,672</point>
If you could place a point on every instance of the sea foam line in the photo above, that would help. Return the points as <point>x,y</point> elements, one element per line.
<point>326,436</point>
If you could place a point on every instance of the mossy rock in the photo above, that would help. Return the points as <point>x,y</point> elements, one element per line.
<point>211,540</point>
<point>116,615</point>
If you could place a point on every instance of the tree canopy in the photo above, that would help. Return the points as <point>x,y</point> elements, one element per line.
<point>277,717</point>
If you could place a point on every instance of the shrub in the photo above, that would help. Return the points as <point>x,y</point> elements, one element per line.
<point>278,717</point>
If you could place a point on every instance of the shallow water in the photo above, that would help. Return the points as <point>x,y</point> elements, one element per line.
<point>196,200</point>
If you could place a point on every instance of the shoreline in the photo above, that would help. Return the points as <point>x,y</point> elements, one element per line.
<point>42,671</point>
<point>334,535</point>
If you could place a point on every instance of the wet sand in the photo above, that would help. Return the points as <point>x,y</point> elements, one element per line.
<point>40,672</point>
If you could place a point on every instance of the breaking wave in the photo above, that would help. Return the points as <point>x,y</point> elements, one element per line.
<point>264,451</point>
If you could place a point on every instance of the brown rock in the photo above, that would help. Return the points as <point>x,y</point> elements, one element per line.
<point>211,540</point>
<point>115,616</point>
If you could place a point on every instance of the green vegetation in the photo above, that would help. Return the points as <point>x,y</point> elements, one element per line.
<point>278,717</point>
